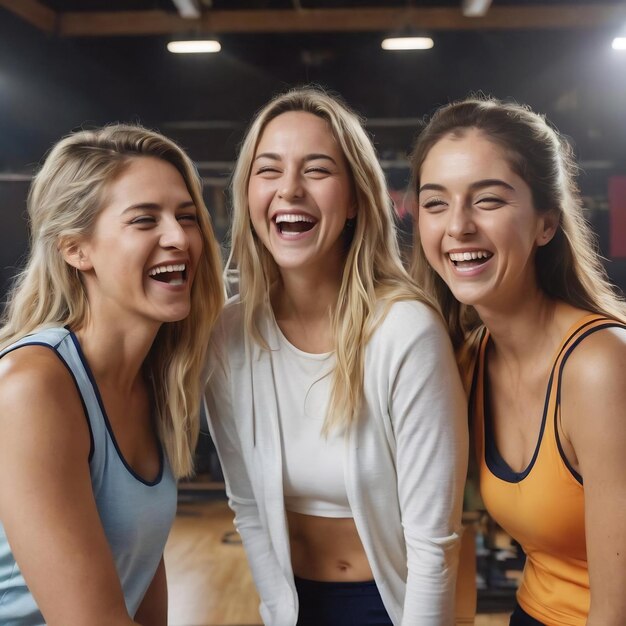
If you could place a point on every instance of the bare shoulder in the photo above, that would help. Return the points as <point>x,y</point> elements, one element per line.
<point>38,395</point>
<point>597,362</point>
<point>31,371</point>
<point>594,390</point>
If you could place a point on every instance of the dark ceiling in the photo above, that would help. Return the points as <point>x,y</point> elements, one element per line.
<point>559,60</point>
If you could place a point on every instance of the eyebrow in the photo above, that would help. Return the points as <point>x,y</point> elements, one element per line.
<point>153,206</point>
<point>479,184</point>
<point>309,157</point>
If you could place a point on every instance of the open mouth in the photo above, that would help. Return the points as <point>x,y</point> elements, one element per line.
<point>175,274</point>
<point>468,260</point>
<point>294,223</point>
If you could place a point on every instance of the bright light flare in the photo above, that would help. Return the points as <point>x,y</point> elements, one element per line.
<point>194,47</point>
<point>619,43</point>
<point>407,43</point>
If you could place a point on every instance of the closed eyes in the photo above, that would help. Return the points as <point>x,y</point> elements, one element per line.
<point>150,220</point>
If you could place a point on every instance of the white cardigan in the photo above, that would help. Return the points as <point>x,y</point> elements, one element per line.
<point>405,462</point>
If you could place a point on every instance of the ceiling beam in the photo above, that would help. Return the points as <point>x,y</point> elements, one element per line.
<point>33,12</point>
<point>112,23</point>
<point>153,22</point>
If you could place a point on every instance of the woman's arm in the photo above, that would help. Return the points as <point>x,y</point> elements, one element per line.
<point>428,409</point>
<point>47,505</point>
<point>153,608</point>
<point>266,571</point>
<point>594,421</point>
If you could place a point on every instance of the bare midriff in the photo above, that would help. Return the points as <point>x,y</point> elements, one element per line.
<point>327,549</point>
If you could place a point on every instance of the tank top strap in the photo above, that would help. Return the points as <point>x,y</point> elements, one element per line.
<point>581,329</point>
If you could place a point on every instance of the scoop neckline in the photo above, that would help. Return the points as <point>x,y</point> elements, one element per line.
<point>317,356</point>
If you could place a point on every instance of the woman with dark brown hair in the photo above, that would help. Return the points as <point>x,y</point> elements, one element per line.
<point>502,245</point>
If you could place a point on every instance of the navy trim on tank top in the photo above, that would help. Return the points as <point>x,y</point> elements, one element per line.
<point>496,464</point>
<point>609,324</point>
<point>109,428</point>
<point>67,367</point>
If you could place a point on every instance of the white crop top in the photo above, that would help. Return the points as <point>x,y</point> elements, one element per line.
<point>313,465</point>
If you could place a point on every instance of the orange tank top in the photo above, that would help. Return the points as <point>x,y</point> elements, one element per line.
<point>542,507</point>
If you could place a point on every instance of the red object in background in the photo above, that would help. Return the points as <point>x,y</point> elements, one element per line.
<point>403,202</point>
<point>617,207</point>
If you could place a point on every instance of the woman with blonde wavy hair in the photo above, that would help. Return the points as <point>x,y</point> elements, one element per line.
<point>103,344</point>
<point>502,244</point>
<point>333,395</point>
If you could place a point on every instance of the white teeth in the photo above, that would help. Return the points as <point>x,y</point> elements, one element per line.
<point>469,256</point>
<point>160,269</point>
<point>292,218</point>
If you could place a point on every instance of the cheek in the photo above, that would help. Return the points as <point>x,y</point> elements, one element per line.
<point>257,218</point>
<point>513,236</point>
<point>430,236</point>
<point>338,196</point>
<point>257,206</point>
<point>260,191</point>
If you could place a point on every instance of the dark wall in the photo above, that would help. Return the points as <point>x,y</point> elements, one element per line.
<point>50,86</point>
<point>13,231</point>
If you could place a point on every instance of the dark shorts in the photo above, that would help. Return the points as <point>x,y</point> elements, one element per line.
<point>521,618</point>
<point>340,604</point>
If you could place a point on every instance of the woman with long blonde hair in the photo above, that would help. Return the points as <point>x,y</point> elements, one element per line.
<point>333,395</point>
<point>502,245</point>
<point>102,348</point>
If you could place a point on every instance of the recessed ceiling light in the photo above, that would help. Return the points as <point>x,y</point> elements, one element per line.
<point>194,47</point>
<point>407,43</point>
<point>619,43</point>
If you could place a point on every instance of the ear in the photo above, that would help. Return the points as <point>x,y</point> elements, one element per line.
<point>75,254</point>
<point>548,225</point>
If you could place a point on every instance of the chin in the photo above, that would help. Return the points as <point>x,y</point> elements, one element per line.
<point>176,316</point>
<point>290,263</point>
<point>467,297</point>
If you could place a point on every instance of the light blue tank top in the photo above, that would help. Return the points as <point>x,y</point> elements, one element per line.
<point>136,515</point>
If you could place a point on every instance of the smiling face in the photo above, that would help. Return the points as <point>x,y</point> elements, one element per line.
<point>142,256</point>
<point>477,224</point>
<point>299,193</point>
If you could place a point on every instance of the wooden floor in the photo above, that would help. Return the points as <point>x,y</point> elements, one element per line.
<point>208,577</point>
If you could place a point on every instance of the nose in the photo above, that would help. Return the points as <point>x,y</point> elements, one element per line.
<point>460,221</point>
<point>174,235</point>
<point>291,185</point>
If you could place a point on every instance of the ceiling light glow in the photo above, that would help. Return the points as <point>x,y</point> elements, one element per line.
<point>619,43</point>
<point>188,9</point>
<point>475,8</point>
<point>407,43</point>
<point>194,47</point>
